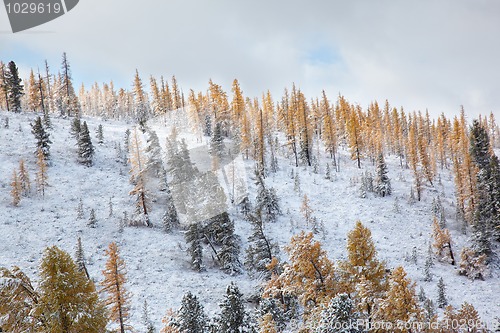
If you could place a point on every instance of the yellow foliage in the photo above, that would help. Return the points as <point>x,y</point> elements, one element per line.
<point>117,297</point>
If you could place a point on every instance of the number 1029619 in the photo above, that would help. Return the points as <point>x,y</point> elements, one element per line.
<point>33,8</point>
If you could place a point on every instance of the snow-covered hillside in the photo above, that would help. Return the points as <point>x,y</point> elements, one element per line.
<point>157,262</point>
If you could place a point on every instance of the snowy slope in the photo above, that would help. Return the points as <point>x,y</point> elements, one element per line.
<point>158,266</point>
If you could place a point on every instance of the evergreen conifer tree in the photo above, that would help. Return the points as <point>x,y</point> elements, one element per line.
<point>481,219</point>
<point>170,219</point>
<point>382,182</point>
<point>79,210</point>
<point>217,141</point>
<point>76,128</point>
<point>441,300</point>
<point>339,316</point>
<point>261,250</point>
<point>15,90</point>
<point>80,258</point>
<point>267,201</point>
<point>42,137</point>
<point>232,314</point>
<point>230,249</point>
<point>328,173</point>
<point>85,147</point>
<point>100,135</point>
<point>147,322</point>
<point>494,204</point>
<point>154,164</point>
<point>92,219</point>
<point>195,250</point>
<point>69,100</point>
<point>273,308</point>
<point>192,318</point>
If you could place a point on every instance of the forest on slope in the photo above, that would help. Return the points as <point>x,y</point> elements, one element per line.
<point>309,206</point>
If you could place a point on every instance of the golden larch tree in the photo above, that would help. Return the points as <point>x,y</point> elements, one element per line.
<point>16,189</point>
<point>400,302</point>
<point>363,275</point>
<point>354,135</point>
<point>165,95</point>
<point>238,102</point>
<point>18,299</point>
<point>33,93</point>
<point>267,324</point>
<point>176,95</point>
<point>68,300</point>
<point>442,240</point>
<point>309,274</point>
<point>41,175</point>
<point>117,298</point>
<point>306,210</point>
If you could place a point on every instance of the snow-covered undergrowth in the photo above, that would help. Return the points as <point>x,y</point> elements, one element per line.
<point>157,262</point>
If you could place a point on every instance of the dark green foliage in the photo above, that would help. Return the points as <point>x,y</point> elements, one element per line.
<point>219,232</point>
<point>192,318</point>
<point>193,239</point>
<point>80,258</point>
<point>217,141</point>
<point>230,249</point>
<point>15,89</point>
<point>339,316</point>
<point>154,164</point>
<point>479,145</point>
<point>438,212</point>
<point>483,215</point>
<point>441,300</point>
<point>76,127</point>
<point>261,249</point>
<point>207,129</point>
<point>170,219</point>
<point>85,147</point>
<point>92,219</point>
<point>232,314</point>
<point>382,182</point>
<point>273,307</point>
<point>267,201</point>
<point>42,137</point>
<point>245,206</point>
<point>126,143</point>
<point>100,135</point>
<point>494,204</point>
<point>146,321</point>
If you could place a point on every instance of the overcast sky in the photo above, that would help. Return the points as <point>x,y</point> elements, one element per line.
<point>417,54</point>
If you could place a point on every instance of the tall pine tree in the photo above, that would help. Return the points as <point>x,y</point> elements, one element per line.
<point>15,90</point>
<point>42,137</point>
<point>85,147</point>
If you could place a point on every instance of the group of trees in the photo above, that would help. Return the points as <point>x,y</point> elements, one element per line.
<point>11,86</point>
<point>43,92</point>
<point>309,280</point>
<point>310,289</point>
<point>66,298</point>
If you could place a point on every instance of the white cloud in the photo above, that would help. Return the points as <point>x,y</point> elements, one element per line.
<point>424,54</point>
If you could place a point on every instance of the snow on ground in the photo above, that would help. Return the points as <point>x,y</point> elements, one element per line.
<point>157,263</point>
